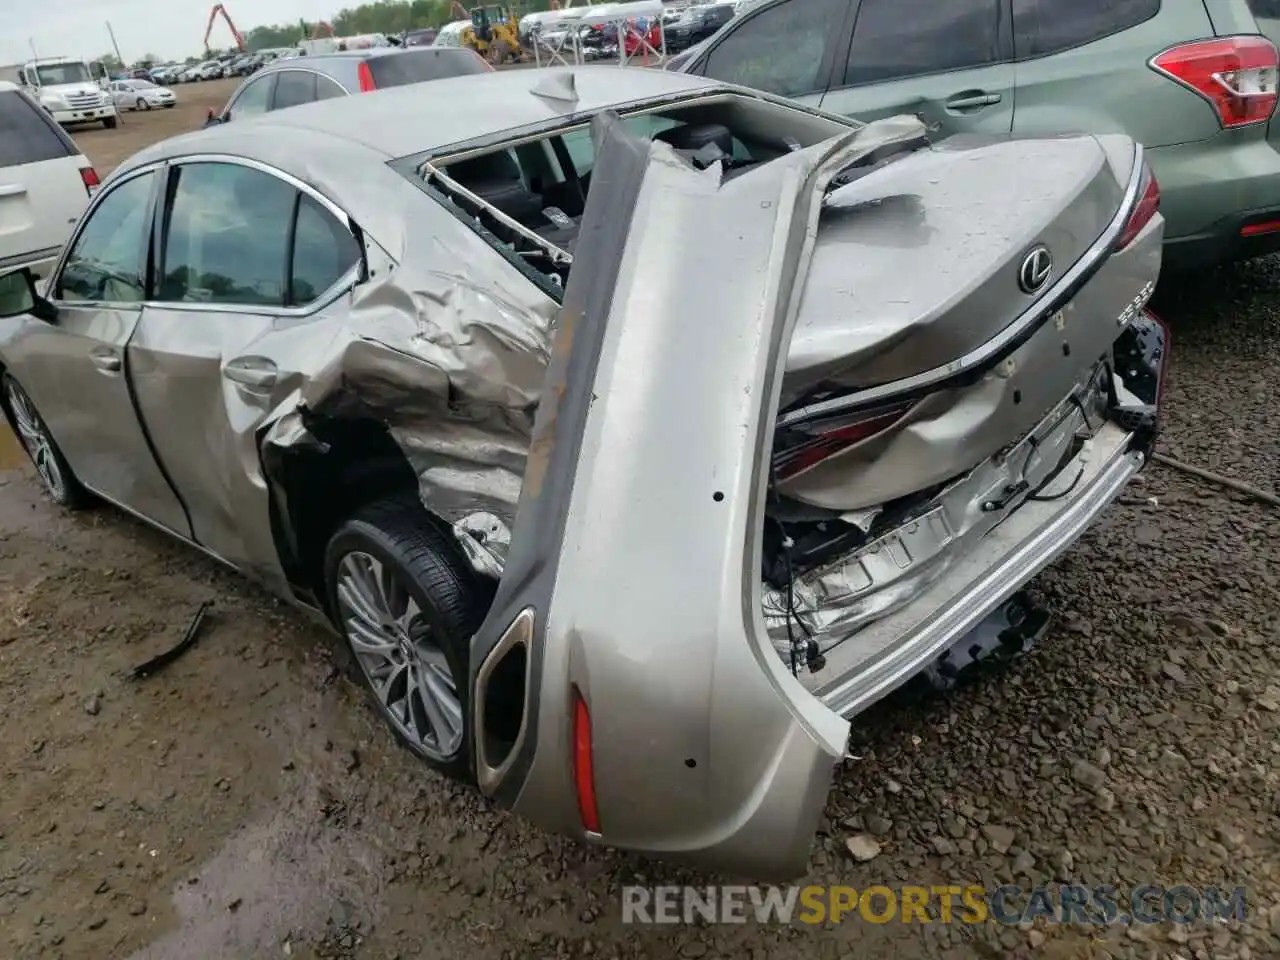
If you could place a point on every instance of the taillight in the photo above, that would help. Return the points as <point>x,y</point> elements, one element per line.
<point>365,76</point>
<point>805,445</point>
<point>1237,75</point>
<point>584,777</point>
<point>89,177</point>
<point>1146,207</point>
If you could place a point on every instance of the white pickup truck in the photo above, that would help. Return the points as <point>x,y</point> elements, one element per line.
<point>67,88</point>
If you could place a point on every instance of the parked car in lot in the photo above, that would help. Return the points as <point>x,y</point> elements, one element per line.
<point>1193,81</point>
<point>695,23</point>
<point>140,95</point>
<point>290,82</point>
<point>438,369</point>
<point>45,183</point>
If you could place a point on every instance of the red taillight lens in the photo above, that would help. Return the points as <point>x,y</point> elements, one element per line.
<point>811,443</point>
<point>365,76</point>
<point>1146,207</point>
<point>584,778</point>
<point>89,177</point>
<point>1237,75</point>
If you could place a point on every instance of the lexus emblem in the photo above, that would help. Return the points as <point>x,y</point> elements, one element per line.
<point>1037,267</point>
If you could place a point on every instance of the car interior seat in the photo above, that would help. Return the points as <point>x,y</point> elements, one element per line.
<point>495,178</point>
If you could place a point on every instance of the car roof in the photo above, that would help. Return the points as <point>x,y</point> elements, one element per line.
<point>425,117</point>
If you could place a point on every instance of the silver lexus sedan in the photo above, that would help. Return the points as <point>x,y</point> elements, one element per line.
<point>634,430</point>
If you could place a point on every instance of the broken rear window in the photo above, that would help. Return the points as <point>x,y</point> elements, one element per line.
<point>528,199</point>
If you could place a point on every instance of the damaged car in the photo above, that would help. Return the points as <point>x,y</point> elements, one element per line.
<point>636,431</point>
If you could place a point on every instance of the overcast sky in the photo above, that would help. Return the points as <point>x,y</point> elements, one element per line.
<point>173,29</point>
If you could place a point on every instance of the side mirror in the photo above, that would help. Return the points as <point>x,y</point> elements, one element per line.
<point>18,296</point>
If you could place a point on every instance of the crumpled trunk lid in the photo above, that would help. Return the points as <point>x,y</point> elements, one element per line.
<point>924,265</point>
<point>918,263</point>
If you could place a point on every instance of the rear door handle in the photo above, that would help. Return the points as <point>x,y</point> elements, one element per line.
<point>972,101</point>
<point>105,359</point>
<point>257,372</point>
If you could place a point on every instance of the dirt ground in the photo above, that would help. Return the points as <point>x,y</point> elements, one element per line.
<point>247,803</point>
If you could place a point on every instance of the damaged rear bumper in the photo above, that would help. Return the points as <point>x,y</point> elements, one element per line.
<point>860,670</point>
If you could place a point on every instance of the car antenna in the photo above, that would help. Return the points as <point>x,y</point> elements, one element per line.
<point>560,85</point>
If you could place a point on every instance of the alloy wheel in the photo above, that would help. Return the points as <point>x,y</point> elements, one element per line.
<point>398,654</point>
<point>35,438</point>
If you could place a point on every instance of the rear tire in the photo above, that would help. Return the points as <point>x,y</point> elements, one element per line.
<point>59,483</point>
<point>109,123</point>
<point>407,601</point>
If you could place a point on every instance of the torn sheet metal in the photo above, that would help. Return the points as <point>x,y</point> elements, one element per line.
<point>448,348</point>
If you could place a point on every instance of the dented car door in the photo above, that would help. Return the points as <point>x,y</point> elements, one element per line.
<point>656,715</point>
<point>246,260</point>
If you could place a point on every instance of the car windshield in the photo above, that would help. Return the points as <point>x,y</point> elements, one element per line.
<point>51,74</point>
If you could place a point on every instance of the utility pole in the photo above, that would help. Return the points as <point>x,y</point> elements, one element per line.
<point>115,46</point>
<point>34,54</point>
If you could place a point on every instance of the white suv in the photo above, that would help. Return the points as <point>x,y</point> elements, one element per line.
<point>45,183</point>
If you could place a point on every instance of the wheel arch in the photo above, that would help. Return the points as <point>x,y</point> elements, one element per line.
<point>315,487</point>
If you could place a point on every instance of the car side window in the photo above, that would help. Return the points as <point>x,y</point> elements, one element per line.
<point>226,236</point>
<point>252,99</point>
<point>327,89</point>
<point>777,49</point>
<point>323,251</point>
<point>1041,27</point>
<point>108,263</point>
<point>294,88</point>
<point>906,38</point>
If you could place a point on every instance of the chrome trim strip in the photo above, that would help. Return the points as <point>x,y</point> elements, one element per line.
<point>966,609</point>
<point>519,633</point>
<point>47,255</point>
<point>1021,327</point>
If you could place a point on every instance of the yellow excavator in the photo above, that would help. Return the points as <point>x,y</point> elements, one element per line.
<point>494,32</point>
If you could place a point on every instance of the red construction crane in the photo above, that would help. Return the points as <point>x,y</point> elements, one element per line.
<point>213,15</point>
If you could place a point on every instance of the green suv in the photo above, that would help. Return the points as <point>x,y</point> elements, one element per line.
<point>1193,80</point>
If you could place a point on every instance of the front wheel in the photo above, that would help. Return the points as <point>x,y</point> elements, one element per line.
<point>407,601</point>
<point>51,466</point>
<point>142,104</point>
<point>109,123</point>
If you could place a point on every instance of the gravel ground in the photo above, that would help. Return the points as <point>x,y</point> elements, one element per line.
<point>247,803</point>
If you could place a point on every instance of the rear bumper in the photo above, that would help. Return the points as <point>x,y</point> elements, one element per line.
<point>1210,190</point>
<point>1024,544</point>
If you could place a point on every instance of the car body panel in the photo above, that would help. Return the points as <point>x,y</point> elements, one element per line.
<point>987,93</point>
<point>88,406</point>
<point>731,764</point>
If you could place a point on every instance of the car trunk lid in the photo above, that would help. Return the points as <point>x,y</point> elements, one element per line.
<point>919,280</point>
